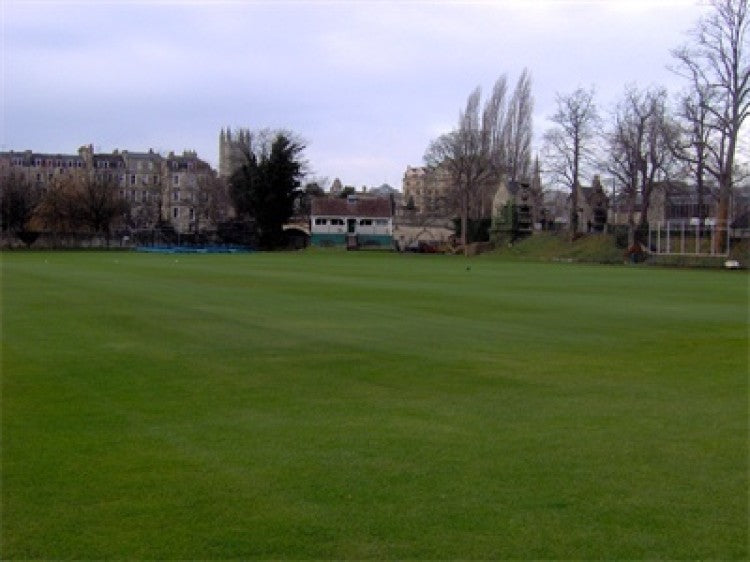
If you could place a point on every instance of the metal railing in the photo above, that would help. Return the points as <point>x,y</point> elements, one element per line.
<point>688,238</point>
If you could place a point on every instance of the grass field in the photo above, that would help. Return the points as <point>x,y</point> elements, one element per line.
<point>345,405</point>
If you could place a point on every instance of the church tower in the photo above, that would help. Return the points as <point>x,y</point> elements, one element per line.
<point>232,148</point>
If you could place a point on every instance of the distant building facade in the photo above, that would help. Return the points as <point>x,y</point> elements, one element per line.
<point>519,205</point>
<point>429,192</point>
<point>593,207</point>
<point>176,189</point>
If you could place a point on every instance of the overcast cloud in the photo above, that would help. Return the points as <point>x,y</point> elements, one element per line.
<point>366,84</point>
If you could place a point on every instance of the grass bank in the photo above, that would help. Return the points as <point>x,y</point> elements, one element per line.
<point>353,405</point>
<point>548,246</point>
<point>603,249</point>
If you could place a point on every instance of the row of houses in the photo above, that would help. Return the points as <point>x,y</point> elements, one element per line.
<point>174,188</point>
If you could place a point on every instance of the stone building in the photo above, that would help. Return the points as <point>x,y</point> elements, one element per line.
<point>186,177</point>
<point>593,207</point>
<point>44,170</point>
<point>429,192</point>
<point>142,186</point>
<point>518,207</point>
<point>171,189</point>
<point>232,149</point>
<point>525,205</point>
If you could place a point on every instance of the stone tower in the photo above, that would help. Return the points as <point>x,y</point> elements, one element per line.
<point>232,147</point>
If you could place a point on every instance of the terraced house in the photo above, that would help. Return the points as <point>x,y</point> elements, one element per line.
<point>177,189</point>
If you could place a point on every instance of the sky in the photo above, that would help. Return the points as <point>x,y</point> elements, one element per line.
<point>366,84</point>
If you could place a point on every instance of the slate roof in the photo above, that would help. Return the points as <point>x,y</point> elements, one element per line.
<point>377,207</point>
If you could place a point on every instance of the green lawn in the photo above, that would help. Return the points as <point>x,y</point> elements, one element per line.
<point>353,405</point>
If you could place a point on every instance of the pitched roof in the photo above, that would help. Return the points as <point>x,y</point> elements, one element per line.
<point>352,207</point>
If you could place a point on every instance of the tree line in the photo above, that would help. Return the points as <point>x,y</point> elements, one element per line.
<point>84,203</point>
<point>646,138</point>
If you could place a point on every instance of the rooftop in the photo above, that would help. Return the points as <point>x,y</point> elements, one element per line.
<point>351,207</point>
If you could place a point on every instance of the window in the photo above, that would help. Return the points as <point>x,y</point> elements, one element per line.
<point>176,194</point>
<point>381,222</point>
<point>175,212</point>
<point>365,222</point>
<point>338,222</point>
<point>176,179</point>
<point>319,222</point>
<point>192,213</point>
<point>132,179</point>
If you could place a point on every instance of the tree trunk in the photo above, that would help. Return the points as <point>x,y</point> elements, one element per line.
<point>465,223</point>
<point>574,212</point>
<point>722,221</point>
<point>631,215</point>
<point>725,194</point>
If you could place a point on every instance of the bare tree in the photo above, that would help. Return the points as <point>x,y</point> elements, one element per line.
<point>471,154</point>
<point>568,145</point>
<point>148,213</point>
<point>640,148</point>
<point>717,65</point>
<point>212,201</point>
<point>691,145</point>
<point>518,130</point>
<point>58,210</point>
<point>99,205</point>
